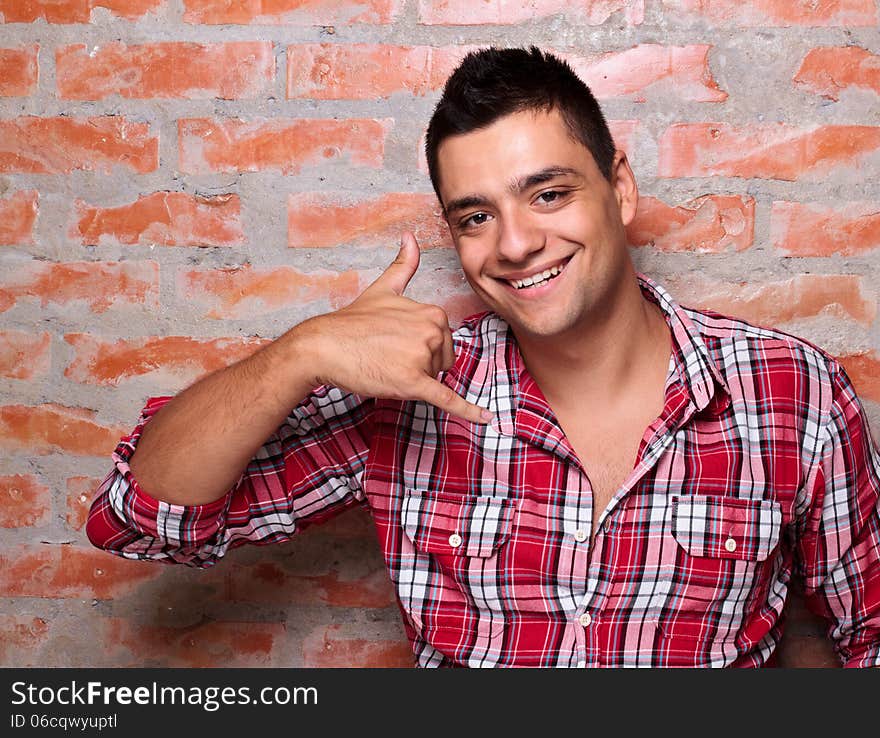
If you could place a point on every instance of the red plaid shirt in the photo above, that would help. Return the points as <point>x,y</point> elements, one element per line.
<point>761,467</point>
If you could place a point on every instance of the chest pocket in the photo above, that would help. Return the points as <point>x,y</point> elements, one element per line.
<point>447,525</point>
<point>717,578</point>
<point>726,528</point>
<point>449,581</point>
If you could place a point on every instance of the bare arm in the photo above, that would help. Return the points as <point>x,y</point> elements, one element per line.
<point>195,448</point>
<point>382,345</point>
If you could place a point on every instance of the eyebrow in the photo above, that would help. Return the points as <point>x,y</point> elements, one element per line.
<point>544,175</point>
<point>517,186</point>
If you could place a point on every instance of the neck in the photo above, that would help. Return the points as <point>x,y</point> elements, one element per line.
<point>624,343</point>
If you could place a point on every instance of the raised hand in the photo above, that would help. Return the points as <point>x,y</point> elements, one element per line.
<point>386,345</point>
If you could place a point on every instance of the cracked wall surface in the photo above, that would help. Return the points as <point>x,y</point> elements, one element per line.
<point>183,180</point>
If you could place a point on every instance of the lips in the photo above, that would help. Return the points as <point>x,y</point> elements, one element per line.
<point>539,277</point>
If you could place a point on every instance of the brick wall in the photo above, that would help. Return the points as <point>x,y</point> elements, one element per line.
<point>182,180</point>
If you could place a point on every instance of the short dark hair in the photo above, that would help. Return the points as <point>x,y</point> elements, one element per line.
<point>491,83</point>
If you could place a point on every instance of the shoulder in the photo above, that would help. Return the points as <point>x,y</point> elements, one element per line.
<point>722,330</point>
<point>766,358</point>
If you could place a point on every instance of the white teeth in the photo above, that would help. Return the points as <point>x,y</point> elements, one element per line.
<point>536,279</point>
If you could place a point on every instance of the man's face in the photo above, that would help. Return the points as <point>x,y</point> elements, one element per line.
<point>538,229</point>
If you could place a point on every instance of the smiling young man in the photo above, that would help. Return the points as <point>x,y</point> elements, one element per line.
<point>587,475</point>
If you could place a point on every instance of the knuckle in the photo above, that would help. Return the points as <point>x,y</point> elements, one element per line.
<point>435,341</point>
<point>446,396</point>
<point>438,315</point>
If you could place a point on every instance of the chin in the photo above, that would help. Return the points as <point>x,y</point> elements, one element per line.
<point>541,327</point>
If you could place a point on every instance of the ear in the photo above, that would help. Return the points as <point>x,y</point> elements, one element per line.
<point>623,181</point>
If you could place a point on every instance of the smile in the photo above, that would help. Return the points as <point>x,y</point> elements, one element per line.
<point>539,278</point>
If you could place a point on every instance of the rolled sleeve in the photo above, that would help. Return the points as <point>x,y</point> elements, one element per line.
<point>840,543</point>
<point>307,471</point>
<point>126,520</point>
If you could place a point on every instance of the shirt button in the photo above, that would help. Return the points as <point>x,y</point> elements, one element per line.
<point>455,540</point>
<point>606,526</point>
<point>730,545</point>
<point>585,619</point>
<point>580,535</point>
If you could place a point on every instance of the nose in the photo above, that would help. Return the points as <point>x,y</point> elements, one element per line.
<point>518,237</point>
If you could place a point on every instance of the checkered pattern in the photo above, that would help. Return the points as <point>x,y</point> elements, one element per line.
<point>759,468</point>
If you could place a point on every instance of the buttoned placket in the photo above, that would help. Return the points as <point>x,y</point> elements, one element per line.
<point>545,432</point>
<point>685,394</point>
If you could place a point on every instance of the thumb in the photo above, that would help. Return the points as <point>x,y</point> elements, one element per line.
<point>399,273</point>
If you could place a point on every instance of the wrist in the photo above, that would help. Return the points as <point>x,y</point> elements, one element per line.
<point>304,348</point>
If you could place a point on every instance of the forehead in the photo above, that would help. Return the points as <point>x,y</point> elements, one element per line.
<point>510,149</point>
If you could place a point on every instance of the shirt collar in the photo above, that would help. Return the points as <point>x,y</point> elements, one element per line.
<point>692,361</point>
<point>511,388</point>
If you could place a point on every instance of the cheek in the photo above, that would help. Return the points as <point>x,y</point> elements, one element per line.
<point>588,223</point>
<point>472,263</point>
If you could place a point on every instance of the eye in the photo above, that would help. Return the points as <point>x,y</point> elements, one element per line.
<point>477,219</point>
<point>550,196</point>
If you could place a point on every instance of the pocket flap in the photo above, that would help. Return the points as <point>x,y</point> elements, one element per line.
<point>446,524</point>
<point>726,527</point>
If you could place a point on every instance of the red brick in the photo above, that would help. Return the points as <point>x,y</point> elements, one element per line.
<point>765,151</point>
<point>65,571</point>
<point>319,219</point>
<point>470,13</point>
<point>864,371</point>
<point>268,583</point>
<point>100,285</point>
<point>328,647</point>
<point>171,69</point>
<point>18,213</point>
<point>829,69</point>
<point>177,360</point>
<point>24,355</point>
<point>231,145</point>
<point>624,133</point>
<point>205,644</point>
<point>163,218</point>
<point>245,292</point>
<point>24,502</point>
<point>51,428</point>
<point>706,224</point>
<point>682,71</point>
<point>80,492</point>
<point>19,71</point>
<point>73,11</point>
<point>773,303</point>
<point>32,145</point>
<point>293,12</point>
<point>367,71</point>
<point>777,12</point>
<point>813,229</point>
<point>21,637</point>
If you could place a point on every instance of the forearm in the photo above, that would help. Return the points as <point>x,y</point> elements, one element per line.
<point>196,447</point>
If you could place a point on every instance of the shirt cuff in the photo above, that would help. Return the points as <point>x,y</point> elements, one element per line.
<point>181,525</point>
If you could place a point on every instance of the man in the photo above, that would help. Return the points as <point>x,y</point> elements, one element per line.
<point>588,475</point>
